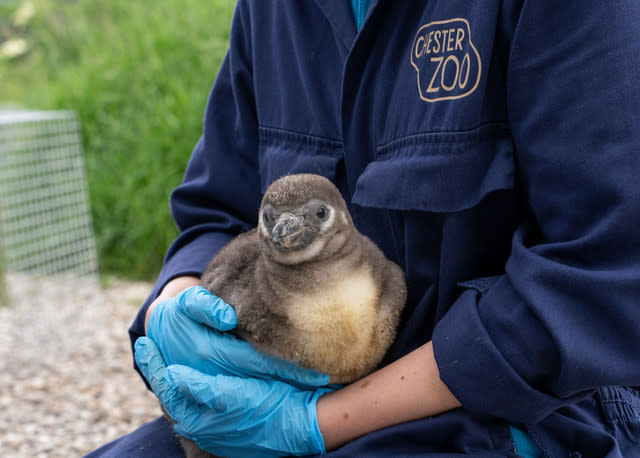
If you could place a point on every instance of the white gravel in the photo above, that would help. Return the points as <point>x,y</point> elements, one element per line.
<point>67,384</point>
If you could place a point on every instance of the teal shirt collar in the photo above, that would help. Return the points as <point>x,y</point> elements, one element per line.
<point>360,8</point>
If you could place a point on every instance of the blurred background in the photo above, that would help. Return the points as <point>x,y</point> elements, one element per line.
<point>138,75</point>
<point>114,92</point>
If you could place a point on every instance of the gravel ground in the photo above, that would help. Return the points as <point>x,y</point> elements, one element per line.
<point>67,384</point>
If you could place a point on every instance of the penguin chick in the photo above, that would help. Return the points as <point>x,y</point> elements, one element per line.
<point>307,286</point>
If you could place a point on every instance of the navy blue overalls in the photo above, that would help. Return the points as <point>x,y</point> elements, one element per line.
<point>492,149</point>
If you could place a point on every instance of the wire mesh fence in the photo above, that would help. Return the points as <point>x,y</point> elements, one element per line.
<point>45,219</point>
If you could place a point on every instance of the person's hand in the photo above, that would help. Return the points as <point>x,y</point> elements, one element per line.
<point>190,329</point>
<point>234,416</point>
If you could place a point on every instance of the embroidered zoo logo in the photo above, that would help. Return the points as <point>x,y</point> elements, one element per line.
<point>447,62</point>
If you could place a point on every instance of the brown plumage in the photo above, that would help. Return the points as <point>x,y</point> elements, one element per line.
<point>307,286</point>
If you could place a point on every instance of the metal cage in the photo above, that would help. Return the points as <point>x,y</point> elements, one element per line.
<point>45,218</point>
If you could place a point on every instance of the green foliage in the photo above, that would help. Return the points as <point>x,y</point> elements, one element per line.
<point>138,74</point>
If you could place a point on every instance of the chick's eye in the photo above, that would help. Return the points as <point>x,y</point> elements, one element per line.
<point>266,218</point>
<point>321,213</point>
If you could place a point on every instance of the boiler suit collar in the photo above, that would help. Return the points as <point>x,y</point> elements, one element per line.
<point>339,14</point>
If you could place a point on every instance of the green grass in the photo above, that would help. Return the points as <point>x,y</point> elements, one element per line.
<point>138,75</point>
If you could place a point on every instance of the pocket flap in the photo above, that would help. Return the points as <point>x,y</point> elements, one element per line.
<point>438,172</point>
<point>285,153</point>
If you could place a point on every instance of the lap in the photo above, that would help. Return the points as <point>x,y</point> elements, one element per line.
<point>155,438</point>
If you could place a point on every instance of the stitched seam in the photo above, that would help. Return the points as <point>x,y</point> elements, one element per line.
<point>267,132</point>
<point>620,401</point>
<point>622,416</point>
<point>450,137</point>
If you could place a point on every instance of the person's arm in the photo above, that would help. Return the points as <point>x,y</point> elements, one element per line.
<point>563,321</point>
<point>408,389</point>
<point>269,416</point>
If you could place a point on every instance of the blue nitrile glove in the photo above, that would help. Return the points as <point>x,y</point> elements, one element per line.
<point>234,416</point>
<point>189,330</point>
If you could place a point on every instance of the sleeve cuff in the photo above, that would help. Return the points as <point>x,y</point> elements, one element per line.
<point>474,368</point>
<point>190,259</point>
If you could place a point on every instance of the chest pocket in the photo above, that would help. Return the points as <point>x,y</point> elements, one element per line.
<point>438,172</point>
<point>285,153</point>
<point>442,193</point>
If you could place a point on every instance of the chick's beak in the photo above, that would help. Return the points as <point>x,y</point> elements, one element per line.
<point>287,230</point>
